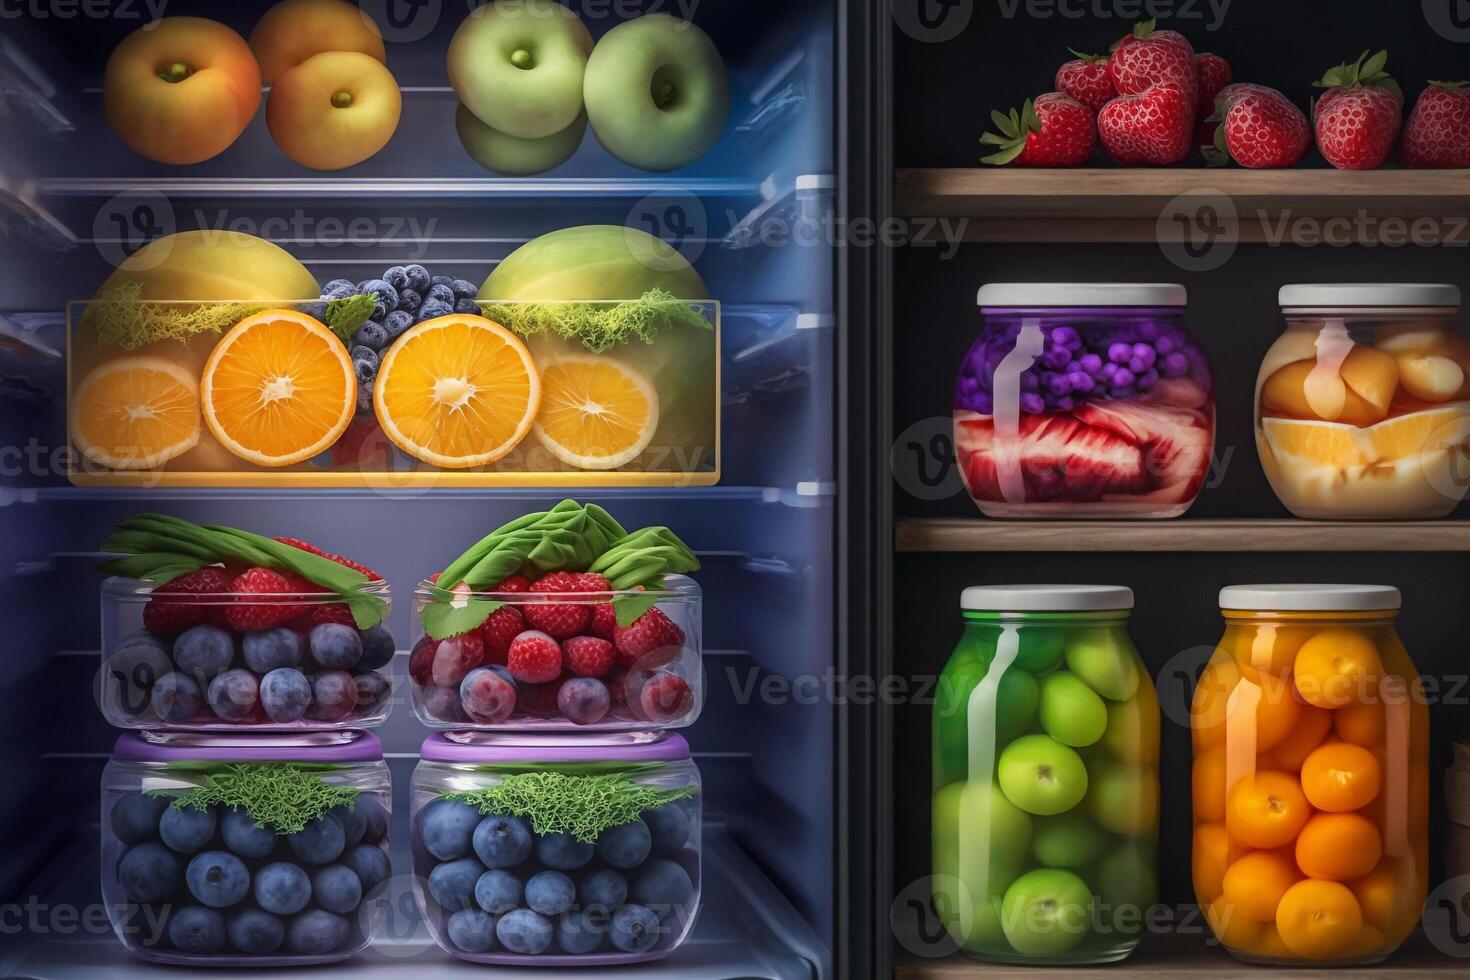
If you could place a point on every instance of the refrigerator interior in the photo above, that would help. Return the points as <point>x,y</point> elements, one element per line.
<point>767,535</point>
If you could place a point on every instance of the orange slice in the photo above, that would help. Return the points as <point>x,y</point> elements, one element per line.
<point>278,388</point>
<point>135,413</point>
<point>457,391</point>
<point>597,413</point>
<point>1327,443</point>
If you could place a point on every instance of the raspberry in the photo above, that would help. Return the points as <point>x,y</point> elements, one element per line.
<point>326,612</point>
<point>455,657</point>
<point>165,616</point>
<point>560,620</point>
<point>651,633</point>
<point>591,582</point>
<point>534,658</point>
<point>504,625</point>
<point>604,621</point>
<point>539,700</point>
<point>339,559</point>
<point>421,660</point>
<point>515,583</point>
<point>260,602</point>
<point>588,656</point>
<point>666,698</point>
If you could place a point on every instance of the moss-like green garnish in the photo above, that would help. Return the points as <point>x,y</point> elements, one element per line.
<point>122,319</point>
<point>278,795</point>
<point>600,326</point>
<point>345,315</point>
<point>561,803</point>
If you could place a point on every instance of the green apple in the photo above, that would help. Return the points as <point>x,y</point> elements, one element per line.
<point>965,711</point>
<point>1132,734</point>
<point>657,92</point>
<point>514,155</point>
<point>972,920</point>
<point>1041,648</point>
<point>979,842</point>
<point>1126,880</point>
<point>1041,775</point>
<point>1046,912</point>
<point>1067,840</point>
<point>1124,799</point>
<point>1071,712</point>
<point>518,66</point>
<point>1104,657</point>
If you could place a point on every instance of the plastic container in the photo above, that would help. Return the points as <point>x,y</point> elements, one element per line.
<point>208,885</point>
<point>197,663</point>
<point>645,677</point>
<point>1084,400</point>
<point>1311,777</point>
<point>561,852</point>
<point>1363,404</point>
<point>1046,788</point>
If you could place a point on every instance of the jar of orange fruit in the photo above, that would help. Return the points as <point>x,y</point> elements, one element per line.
<point>1311,777</point>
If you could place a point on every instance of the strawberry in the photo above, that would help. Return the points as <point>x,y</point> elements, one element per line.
<point>653,631</point>
<point>1055,131</point>
<point>1150,57</point>
<point>504,625</point>
<point>534,657</point>
<point>604,621</point>
<point>1154,128</point>
<point>591,582</point>
<point>372,576</point>
<point>1358,117</point>
<point>560,620</point>
<point>326,612</point>
<point>1087,79</point>
<point>588,656</point>
<point>514,583</point>
<point>260,601</point>
<point>666,698</point>
<point>1437,134</point>
<point>1260,129</point>
<point>1214,74</point>
<point>165,615</point>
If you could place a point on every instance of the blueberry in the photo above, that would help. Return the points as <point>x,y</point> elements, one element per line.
<point>176,698</point>
<point>336,888</point>
<point>148,872</point>
<point>583,700</point>
<point>353,820</point>
<point>377,819</point>
<point>197,930</point>
<point>365,398</point>
<point>133,667</point>
<point>418,277</point>
<point>464,289</point>
<point>523,931</point>
<point>321,841</point>
<point>378,648</point>
<point>339,289</point>
<point>669,825</point>
<point>471,930</point>
<point>633,928</point>
<point>502,841</point>
<point>244,836</point>
<point>364,363</point>
<point>395,323</point>
<point>440,293</point>
<point>384,293</point>
<point>233,694</point>
<point>409,301</point>
<point>452,884</point>
<point>317,311</point>
<point>186,829</point>
<point>446,827</point>
<point>662,885</point>
<point>315,932</point>
<point>603,889</point>
<point>372,334</point>
<point>217,878</point>
<point>466,306</point>
<point>563,852</point>
<point>135,816</point>
<point>372,688</point>
<point>397,277</point>
<point>202,652</point>
<point>335,646</point>
<point>443,704</point>
<point>268,649</point>
<point>370,863</point>
<point>550,892</point>
<point>285,694</point>
<point>626,845</point>
<point>487,696</point>
<point>333,695</point>
<point>283,888</point>
<point>432,309</point>
<point>255,932</point>
<point>578,933</point>
<point>498,891</point>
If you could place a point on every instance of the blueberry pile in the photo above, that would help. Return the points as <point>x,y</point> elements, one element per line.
<point>500,887</point>
<point>200,882</point>
<point>404,296</point>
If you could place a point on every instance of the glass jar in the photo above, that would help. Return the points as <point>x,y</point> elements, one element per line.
<point>1311,777</point>
<point>231,851</point>
<point>1084,400</point>
<point>1363,404</point>
<point>557,852</point>
<point>223,661</point>
<point>1046,787</point>
<point>544,662</point>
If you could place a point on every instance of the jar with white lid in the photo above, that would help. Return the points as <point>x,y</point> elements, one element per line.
<point>1363,404</point>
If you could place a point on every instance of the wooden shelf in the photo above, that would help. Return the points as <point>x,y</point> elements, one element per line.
<point>979,534</point>
<point>1170,205</point>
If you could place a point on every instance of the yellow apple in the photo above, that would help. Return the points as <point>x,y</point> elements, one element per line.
<point>334,110</point>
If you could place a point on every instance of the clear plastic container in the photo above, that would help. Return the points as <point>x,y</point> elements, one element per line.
<point>226,661</point>
<point>549,662</point>
<point>557,852</point>
<point>1046,786</point>
<point>280,860</point>
<point>1363,404</point>
<point>1311,777</point>
<point>1084,400</point>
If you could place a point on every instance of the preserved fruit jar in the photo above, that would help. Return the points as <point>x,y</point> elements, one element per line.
<point>1046,787</point>
<point>1363,404</point>
<point>1084,400</point>
<point>1311,777</point>
<point>230,851</point>
<point>557,852</point>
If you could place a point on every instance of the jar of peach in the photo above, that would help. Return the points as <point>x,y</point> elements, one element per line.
<point>1311,777</point>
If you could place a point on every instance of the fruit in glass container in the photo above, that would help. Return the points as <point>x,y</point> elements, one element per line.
<point>1207,785</point>
<point>1319,919</point>
<point>282,887</point>
<point>1266,809</point>
<point>1313,725</point>
<point>1124,799</point>
<point>471,930</point>
<point>135,413</point>
<point>255,933</point>
<point>334,110</point>
<point>321,841</point>
<point>294,30</point>
<point>316,932</point>
<point>524,931</point>
<point>213,266</point>
<point>1105,659</point>
<point>1255,883</point>
<point>1125,881</point>
<point>285,694</point>
<point>233,694</point>
<point>1338,846</point>
<point>148,872</point>
<point>1041,775</point>
<point>1070,711</point>
<point>446,826</point>
<point>1002,834</point>
<point>176,697</point>
<point>1337,667</point>
<point>333,695</point>
<point>1230,927</point>
<point>197,930</point>
<point>1341,777</point>
<point>336,888</point>
<point>502,841</point>
<point>563,852</point>
<point>1210,858</point>
<point>217,878</point>
<point>1046,912</point>
<point>1067,840</point>
<point>1273,705</point>
<point>488,696</point>
<point>1039,649</point>
<point>1430,377</point>
<point>597,413</point>
<point>243,836</point>
<point>1132,732</point>
<point>515,155</point>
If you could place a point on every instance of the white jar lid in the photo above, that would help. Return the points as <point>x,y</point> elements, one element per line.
<point>1046,598</point>
<point>1310,598</point>
<point>1394,294</point>
<point>1072,294</point>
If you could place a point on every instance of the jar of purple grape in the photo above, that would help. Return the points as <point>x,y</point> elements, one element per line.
<point>1084,400</point>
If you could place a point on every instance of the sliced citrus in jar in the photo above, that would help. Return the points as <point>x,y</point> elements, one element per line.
<point>457,391</point>
<point>135,413</point>
<point>597,413</point>
<point>278,388</point>
<point>1332,444</point>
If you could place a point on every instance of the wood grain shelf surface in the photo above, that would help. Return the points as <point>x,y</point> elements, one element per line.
<point>980,534</point>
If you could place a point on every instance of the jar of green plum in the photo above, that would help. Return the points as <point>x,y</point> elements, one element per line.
<point>1046,787</point>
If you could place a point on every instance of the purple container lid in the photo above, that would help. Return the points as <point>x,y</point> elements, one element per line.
<point>668,748</point>
<point>334,747</point>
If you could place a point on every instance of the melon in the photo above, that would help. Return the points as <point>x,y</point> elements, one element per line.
<point>592,262</point>
<point>213,266</point>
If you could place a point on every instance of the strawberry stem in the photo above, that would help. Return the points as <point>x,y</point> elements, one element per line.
<point>1014,129</point>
